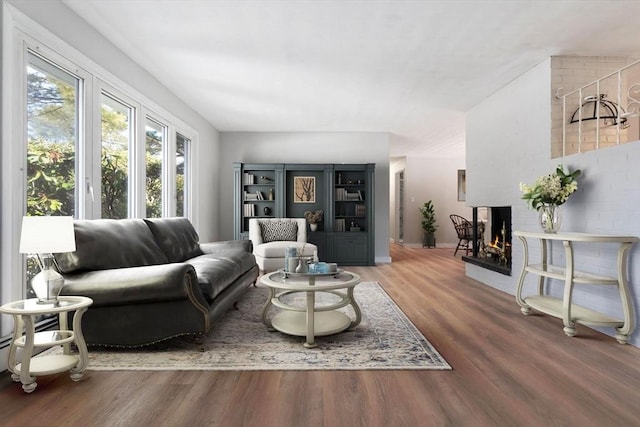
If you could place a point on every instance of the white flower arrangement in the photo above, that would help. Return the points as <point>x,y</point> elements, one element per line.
<point>553,189</point>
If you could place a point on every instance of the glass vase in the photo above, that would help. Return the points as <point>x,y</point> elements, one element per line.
<point>550,220</point>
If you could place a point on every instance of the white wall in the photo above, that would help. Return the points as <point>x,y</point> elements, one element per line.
<point>396,166</point>
<point>434,179</point>
<point>508,141</point>
<point>308,147</point>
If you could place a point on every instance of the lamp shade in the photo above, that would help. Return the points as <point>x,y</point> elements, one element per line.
<point>47,234</point>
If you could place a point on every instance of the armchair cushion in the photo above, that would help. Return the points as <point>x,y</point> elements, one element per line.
<point>277,231</point>
<point>277,249</point>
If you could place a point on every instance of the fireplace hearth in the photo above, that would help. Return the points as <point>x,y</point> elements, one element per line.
<point>494,250</point>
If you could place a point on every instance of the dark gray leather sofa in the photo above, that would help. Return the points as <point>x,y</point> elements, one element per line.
<point>151,279</point>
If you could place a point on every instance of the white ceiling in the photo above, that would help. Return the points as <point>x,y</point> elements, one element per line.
<point>411,68</point>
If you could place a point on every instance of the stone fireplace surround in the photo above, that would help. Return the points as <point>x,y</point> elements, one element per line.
<point>494,218</point>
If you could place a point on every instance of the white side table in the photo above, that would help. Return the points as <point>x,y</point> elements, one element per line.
<point>564,308</point>
<point>24,313</point>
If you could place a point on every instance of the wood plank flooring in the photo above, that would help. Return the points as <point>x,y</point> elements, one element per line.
<point>508,370</point>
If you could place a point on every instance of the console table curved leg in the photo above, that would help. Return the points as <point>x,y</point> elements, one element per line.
<point>623,332</point>
<point>567,318</point>
<point>524,307</point>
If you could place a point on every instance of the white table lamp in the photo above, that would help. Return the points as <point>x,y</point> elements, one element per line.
<point>43,236</point>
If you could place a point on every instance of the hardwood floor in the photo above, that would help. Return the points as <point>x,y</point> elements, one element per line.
<point>508,370</point>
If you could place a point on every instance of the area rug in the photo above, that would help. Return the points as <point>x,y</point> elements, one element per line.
<point>385,339</point>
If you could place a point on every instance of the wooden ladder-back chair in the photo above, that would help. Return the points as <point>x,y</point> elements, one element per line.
<point>464,229</point>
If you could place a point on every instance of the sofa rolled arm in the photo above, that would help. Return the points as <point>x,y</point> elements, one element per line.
<point>144,284</point>
<point>224,246</point>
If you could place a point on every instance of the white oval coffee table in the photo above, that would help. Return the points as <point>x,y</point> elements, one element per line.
<point>307,319</point>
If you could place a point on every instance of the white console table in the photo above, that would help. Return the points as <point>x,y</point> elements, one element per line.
<point>564,308</point>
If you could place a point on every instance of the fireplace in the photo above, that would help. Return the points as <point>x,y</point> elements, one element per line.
<point>494,250</point>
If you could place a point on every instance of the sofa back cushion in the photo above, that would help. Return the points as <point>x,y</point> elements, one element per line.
<point>111,243</point>
<point>176,237</point>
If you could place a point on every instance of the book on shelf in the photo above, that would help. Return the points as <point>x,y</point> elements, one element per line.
<point>360,210</point>
<point>248,178</point>
<point>340,224</point>
<point>251,196</point>
<point>249,209</point>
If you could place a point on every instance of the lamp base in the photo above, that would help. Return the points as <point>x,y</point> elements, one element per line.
<point>48,283</point>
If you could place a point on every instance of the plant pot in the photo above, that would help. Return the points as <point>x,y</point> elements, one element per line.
<point>313,227</point>
<point>428,239</point>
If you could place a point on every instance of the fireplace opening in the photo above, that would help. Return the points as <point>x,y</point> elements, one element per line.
<point>494,249</point>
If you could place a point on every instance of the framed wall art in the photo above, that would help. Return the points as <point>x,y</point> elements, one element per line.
<point>462,185</point>
<point>304,189</point>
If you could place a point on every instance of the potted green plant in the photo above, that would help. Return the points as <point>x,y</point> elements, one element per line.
<point>429,226</point>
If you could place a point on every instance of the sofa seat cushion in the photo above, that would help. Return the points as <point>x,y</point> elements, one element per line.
<point>103,244</point>
<point>176,237</point>
<point>217,271</point>
<point>277,249</point>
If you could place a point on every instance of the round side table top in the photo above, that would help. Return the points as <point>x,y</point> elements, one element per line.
<point>32,306</point>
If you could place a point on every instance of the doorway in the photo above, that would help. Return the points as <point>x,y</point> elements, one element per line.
<point>400,206</point>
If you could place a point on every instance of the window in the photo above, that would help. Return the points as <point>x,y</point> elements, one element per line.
<point>181,184</point>
<point>155,140</point>
<point>53,117</point>
<point>117,137</point>
<point>52,138</point>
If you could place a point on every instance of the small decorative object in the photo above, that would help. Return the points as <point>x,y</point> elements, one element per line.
<point>43,236</point>
<point>314,218</point>
<point>548,193</point>
<point>270,194</point>
<point>550,219</point>
<point>290,259</point>
<point>267,210</point>
<point>429,226</point>
<point>302,266</point>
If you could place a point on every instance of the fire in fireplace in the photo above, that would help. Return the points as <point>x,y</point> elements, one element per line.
<point>494,250</point>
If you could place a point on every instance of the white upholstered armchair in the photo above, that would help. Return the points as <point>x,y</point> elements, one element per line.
<point>271,236</point>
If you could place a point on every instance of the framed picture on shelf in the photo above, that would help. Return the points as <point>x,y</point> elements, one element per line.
<point>304,189</point>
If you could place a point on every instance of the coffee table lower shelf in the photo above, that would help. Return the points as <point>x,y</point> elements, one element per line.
<point>325,323</point>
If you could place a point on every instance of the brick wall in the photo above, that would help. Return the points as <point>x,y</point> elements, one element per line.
<point>569,73</point>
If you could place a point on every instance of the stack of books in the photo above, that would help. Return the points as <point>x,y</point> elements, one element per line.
<point>249,209</point>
